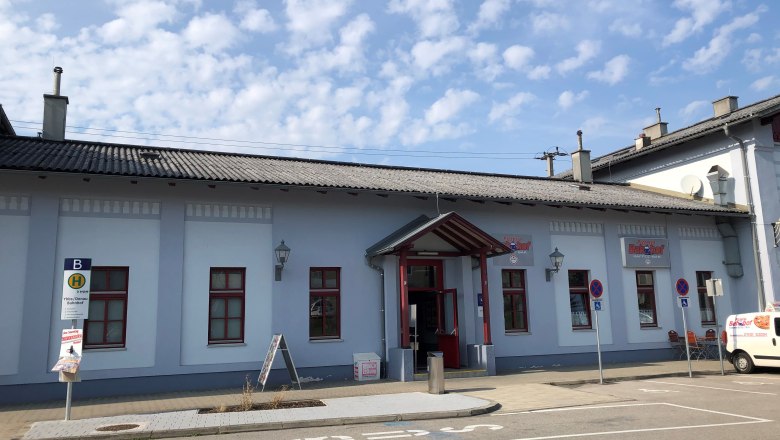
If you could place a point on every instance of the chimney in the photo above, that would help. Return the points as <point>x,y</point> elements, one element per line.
<point>724,106</point>
<point>55,110</point>
<point>580,162</point>
<point>642,141</point>
<point>656,130</point>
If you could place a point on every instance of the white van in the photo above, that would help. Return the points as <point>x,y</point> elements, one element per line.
<point>753,340</point>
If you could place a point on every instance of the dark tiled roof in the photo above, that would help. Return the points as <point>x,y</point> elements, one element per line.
<point>39,155</point>
<point>5,125</point>
<point>758,109</point>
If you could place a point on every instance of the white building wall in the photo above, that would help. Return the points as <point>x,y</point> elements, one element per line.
<point>210,244</point>
<point>581,253</point>
<point>706,256</point>
<point>130,242</point>
<point>14,230</point>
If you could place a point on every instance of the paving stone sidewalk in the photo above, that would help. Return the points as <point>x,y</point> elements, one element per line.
<point>521,390</point>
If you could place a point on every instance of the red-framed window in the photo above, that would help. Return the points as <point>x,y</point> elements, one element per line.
<point>645,290</point>
<point>579,299</point>
<point>226,304</point>
<point>106,324</point>
<point>706,303</point>
<point>324,303</point>
<point>515,304</point>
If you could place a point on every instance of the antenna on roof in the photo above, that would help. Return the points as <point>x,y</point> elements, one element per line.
<point>550,156</point>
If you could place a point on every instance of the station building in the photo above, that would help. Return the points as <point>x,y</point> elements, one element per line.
<point>187,291</point>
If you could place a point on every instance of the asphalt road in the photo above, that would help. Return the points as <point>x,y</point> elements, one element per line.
<point>711,407</point>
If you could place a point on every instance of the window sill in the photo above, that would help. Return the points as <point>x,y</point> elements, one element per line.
<point>518,333</point>
<point>583,329</point>
<point>324,341</point>
<point>101,349</point>
<point>230,344</point>
<point>651,328</point>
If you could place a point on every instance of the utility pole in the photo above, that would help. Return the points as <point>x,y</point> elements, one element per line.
<point>550,157</point>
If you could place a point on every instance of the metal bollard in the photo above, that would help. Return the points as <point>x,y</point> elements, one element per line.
<point>435,372</point>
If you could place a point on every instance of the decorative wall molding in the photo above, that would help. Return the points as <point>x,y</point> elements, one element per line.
<point>82,207</point>
<point>641,231</point>
<point>578,228</point>
<point>14,204</point>
<point>699,232</point>
<point>222,212</point>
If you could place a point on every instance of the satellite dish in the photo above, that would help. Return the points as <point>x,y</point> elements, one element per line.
<point>691,185</point>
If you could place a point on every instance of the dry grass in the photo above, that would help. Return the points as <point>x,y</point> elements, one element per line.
<point>278,398</point>
<point>247,401</point>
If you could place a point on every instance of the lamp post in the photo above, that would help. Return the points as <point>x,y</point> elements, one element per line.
<point>556,258</point>
<point>282,255</point>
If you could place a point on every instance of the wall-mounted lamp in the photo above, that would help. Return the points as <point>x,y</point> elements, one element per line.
<point>282,255</point>
<point>556,258</point>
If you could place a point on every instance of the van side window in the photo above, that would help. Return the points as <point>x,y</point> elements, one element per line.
<point>777,326</point>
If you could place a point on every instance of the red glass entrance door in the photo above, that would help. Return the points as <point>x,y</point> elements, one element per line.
<point>447,331</point>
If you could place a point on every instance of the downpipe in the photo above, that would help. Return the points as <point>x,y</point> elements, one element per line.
<point>369,262</point>
<point>752,213</point>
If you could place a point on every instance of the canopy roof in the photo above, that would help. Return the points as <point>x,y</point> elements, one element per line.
<point>446,234</point>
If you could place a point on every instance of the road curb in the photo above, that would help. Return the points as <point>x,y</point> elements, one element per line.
<point>636,377</point>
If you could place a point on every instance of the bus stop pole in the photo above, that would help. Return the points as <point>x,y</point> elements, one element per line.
<point>598,348</point>
<point>687,347</point>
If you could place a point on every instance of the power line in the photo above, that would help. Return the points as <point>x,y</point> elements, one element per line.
<point>264,145</point>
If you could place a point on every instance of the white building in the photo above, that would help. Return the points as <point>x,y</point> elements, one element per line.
<point>730,159</point>
<point>184,292</point>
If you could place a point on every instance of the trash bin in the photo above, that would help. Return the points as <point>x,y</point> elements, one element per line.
<point>435,372</point>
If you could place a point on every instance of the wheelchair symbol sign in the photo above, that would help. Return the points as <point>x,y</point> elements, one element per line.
<point>683,302</point>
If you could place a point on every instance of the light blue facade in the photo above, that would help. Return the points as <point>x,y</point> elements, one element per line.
<point>169,235</point>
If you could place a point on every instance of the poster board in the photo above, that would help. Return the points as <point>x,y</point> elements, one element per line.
<point>70,351</point>
<point>277,343</point>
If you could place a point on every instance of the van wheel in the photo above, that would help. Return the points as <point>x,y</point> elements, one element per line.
<point>742,363</point>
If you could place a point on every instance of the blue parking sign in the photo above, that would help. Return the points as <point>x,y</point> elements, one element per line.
<point>683,302</point>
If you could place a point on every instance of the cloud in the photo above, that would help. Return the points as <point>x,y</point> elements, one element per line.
<point>703,12</point>
<point>569,98</point>
<point>594,124</point>
<point>253,18</point>
<point>210,32</point>
<point>693,109</point>
<point>517,57</point>
<point>754,38</point>
<point>509,108</point>
<point>449,105</point>
<point>764,83</point>
<point>348,55</point>
<point>614,70</point>
<point>433,18</point>
<point>428,55</point>
<point>586,50</point>
<point>47,22</point>
<point>709,57</point>
<point>490,13</point>
<point>310,21</point>
<point>484,57</point>
<point>548,22</point>
<point>627,28</point>
<point>136,20</point>
<point>539,72</point>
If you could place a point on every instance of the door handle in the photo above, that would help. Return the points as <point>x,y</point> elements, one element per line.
<point>774,342</point>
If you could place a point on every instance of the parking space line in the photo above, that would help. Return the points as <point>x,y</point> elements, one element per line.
<point>751,420</point>
<point>630,431</point>
<point>712,388</point>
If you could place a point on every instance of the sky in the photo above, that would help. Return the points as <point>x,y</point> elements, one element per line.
<point>472,85</point>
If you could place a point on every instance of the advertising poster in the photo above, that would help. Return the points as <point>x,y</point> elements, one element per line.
<point>70,351</point>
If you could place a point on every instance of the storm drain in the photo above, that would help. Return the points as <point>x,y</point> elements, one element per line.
<point>115,428</point>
